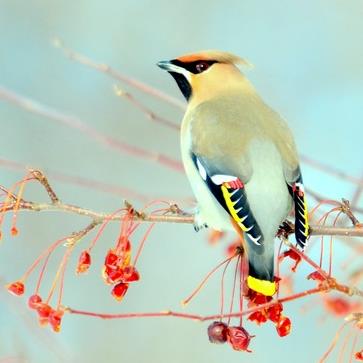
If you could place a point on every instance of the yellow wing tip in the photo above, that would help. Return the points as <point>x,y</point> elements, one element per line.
<point>264,287</point>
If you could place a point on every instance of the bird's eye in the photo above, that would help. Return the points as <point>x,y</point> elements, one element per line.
<point>201,66</point>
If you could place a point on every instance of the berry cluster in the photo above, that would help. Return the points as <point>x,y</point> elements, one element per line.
<point>118,271</point>
<point>237,336</point>
<point>272,313</point>
<point>46,314</point>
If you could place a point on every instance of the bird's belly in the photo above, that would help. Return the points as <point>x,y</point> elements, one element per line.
<point>267,190</point>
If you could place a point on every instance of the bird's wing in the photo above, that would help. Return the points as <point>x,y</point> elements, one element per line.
<point>297,191</point>
<point>229,190</point>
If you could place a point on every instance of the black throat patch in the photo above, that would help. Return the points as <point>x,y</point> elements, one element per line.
<point>183,84</point>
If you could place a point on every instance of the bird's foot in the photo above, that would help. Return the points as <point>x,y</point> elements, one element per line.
<point>198,222</point>
<point>285,229</point>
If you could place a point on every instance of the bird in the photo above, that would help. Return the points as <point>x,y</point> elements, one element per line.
<point>240,158</point>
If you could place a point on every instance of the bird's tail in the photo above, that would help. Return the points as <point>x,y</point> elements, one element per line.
<point>260,257</point>
<point>261,270</point>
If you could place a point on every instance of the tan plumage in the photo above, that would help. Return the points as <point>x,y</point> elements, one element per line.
<point>229,132</point>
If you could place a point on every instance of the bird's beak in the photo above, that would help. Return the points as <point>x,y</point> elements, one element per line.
<point>164,65</point>
<point>170,67</point>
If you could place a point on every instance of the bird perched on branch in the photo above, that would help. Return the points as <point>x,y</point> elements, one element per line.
<point>240,158</point>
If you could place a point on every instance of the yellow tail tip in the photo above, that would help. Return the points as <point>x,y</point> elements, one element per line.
<point>264,287</point>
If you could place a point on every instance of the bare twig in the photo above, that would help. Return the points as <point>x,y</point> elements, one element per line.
<point>321,289</point>
<point>104,68</point>
<point>331,170</point>
<point>346,209</point>
<point>85,182</point>
<point>76,123</point>
<point>144,109</point>
<point>172,218</point>
<point>43,180</point>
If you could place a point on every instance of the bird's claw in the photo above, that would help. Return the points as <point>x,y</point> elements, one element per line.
<point>198,227</point>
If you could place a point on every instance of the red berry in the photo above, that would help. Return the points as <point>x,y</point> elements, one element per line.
<point>316,276</point>
<point>258,317</point>
<point>238,338</point>
<point>43,311</point>
<point>130,274</point>
<point>112,275</point>
<point>283,326</point>
<point>359,355</point>
<point>111,259</point>
<point>34,301</point>
<point>55,319</point>
<point>84,262</point>
<point>338,306</point>
<point>231,249</point>
<point>274,312</point>
<point>14,231</point>
<point>119,291</point>
<point>258,299</point>
<point>16,288</point>
<point>294,256</point>
<point>217,332</point>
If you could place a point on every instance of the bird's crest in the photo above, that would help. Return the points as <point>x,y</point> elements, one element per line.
<point>215,55</point>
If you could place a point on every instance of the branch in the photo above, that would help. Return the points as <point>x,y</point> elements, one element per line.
<point>76,123</point>
<point>326,286</point>
<point>104,68</point>
<point>175,214</point>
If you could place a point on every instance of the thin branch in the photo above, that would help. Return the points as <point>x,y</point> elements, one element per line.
<point>331,170</point>
<point>357,194</point>
<point>76,123</point>
<point>92,184</point>
<point>104,68</point>
<point>174,215</point>
<point>173,218</point>
<point>151,115</point>
<point>321,289</point>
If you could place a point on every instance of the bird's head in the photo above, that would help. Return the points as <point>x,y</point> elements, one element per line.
<point>205,73</point>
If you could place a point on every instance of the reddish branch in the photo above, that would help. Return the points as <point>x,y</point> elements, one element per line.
<point>116,75</point>
<point>76,123</point>
<point>326,286</point>
<point>176,215</point>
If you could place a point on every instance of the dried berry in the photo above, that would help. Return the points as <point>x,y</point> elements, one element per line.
<point>130,274</point>
<point>14,231</point>
<point>43,310</point>
<point>316,276</point>
<point>294,256</point>
<point>111,259</point>
<point>359,355</point>
<point>217,332</point>
<point>274,312</point>
<point>112,275</point>
<point>16,288</point>
<point>258,317</point>
<point>84,262</point>
<point>258,299</point>
<point>34,301</point>
<point>55,319</point>
<point>119,291</point>
<point>339,306</point>
<point>283,326</point>
<point>238,338</point>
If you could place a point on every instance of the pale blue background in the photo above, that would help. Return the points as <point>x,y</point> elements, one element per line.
<point>308,61</point>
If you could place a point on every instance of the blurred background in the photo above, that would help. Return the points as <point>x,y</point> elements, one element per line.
<point>308,59</point>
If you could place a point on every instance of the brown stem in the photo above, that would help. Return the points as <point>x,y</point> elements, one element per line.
<point>104,68</point>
